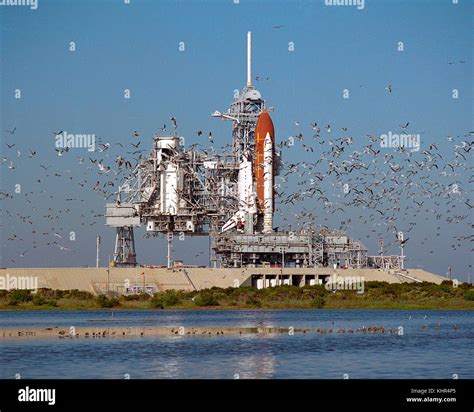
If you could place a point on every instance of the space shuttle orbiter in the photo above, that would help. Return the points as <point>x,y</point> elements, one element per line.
<point>246,194</point>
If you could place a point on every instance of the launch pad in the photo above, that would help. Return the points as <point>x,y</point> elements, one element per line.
<point>227,196</point>
<point>302,249</point>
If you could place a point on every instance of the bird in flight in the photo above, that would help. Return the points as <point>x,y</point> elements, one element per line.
<point>103,147</point>
<point>62,151</point>
<point>405,126</point>
<point>11,131</point>
<point>402,242</point>
<point>173,119</point>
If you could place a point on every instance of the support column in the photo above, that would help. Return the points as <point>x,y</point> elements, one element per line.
<point>125,247</point>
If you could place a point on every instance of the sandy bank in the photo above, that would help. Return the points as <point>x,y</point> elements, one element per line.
<point>123,332</point>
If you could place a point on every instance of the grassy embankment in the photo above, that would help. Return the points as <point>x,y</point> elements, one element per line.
<point>377,295</point>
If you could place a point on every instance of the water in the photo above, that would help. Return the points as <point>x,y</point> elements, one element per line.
<point>430,352</point>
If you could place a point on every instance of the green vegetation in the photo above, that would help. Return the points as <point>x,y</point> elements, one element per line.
<point>377,295</point>
<point>19,296</point>
<point>40,300</point>
<point>469,294</point>
<point>105,302</point>
<point>166,299</point>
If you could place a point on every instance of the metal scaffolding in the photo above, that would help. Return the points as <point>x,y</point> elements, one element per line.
<point>125,247</point>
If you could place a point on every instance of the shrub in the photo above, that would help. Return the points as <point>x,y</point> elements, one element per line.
<point>41,300</point>
<point>166,299</point>
<point>252,301</point>
<point>19,296</point>
<point>170,298</point>
<point>445,288</point>
<point>104,302</point>
<point>376,284</point>
<point>139,297</point>
<point>206,299</point>
<point>318,302</point>
<point>469,294</point>
<point>49,293</point>
<point>78,294</point>
<point>157,303</point>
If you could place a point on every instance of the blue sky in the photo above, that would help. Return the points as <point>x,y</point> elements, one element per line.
<point>136,46</point>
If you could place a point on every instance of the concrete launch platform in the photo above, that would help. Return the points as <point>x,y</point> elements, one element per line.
<point>130,280</point>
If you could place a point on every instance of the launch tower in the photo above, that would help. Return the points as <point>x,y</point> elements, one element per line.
<point>229,197</point>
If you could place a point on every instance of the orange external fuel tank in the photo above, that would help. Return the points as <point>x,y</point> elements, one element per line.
<point>264,125</point>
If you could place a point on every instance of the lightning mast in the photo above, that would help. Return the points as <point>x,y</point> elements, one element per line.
<point>244,111</point>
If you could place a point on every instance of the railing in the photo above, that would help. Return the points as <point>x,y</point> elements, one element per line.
<point>120,288</point>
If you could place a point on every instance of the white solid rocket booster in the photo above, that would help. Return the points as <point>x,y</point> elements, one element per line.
<point>268,185</point>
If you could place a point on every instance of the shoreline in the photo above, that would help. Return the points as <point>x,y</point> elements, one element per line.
<point>235,308</point>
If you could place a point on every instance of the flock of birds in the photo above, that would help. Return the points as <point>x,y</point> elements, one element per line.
<point>391,190</point>
<point>348,179</point>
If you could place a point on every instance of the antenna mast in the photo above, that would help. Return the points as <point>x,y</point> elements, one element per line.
<point>249,58</point>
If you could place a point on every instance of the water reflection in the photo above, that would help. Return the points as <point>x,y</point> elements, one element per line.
<point>435,344</point>
<point>256,367</point>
